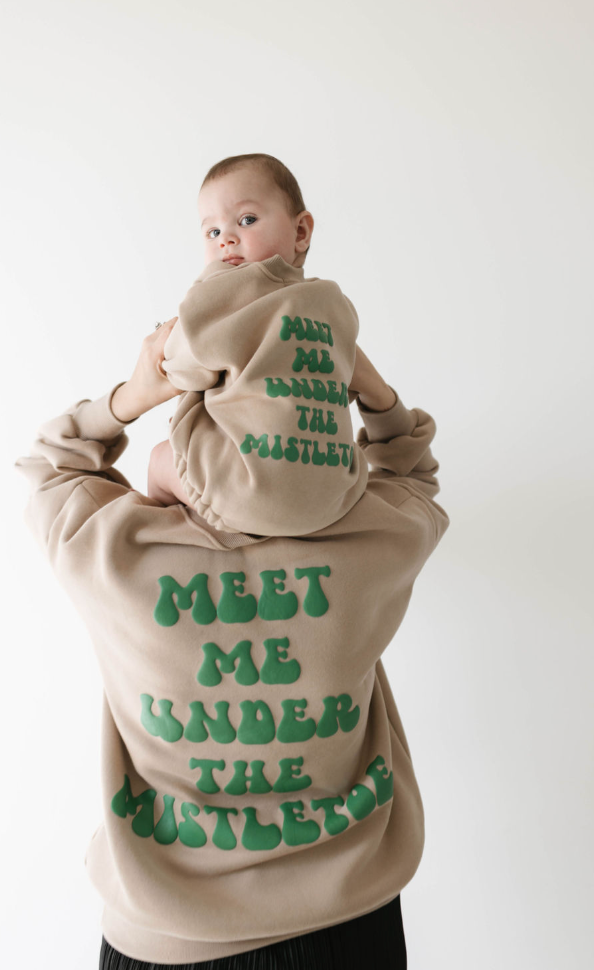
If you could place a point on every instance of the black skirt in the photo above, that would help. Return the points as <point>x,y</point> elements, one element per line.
<point>374,941</point>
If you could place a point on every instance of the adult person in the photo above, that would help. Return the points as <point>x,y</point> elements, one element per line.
<point>260,803</point>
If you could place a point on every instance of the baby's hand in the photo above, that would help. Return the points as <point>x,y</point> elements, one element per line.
<point>164,484</point>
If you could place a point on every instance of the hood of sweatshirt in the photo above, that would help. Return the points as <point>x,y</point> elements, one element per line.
<point>262,435</point>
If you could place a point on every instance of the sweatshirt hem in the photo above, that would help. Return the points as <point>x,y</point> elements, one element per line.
<point>150,946</point>
<point>216,521</point>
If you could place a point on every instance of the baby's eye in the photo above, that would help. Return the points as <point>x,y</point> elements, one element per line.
<point>247,217</point>
<point>208,234</point>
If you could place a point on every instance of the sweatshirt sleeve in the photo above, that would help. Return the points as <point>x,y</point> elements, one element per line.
<point>396,444</point>
<point>70,471</point>
<point>205,316</point>
<point>180,364</point>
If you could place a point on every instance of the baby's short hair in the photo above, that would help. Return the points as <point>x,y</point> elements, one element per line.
<point>282,177</point>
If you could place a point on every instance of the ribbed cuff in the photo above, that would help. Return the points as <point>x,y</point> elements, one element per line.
<point>96,420</point>
<point>383,425</point>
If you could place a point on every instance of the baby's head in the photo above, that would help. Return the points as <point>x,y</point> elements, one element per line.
<point>251,208</point>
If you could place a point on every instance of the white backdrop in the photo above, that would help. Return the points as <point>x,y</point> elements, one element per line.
<point>445,148</point>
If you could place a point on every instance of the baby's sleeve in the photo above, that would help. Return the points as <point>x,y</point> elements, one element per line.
<point>181,366</point>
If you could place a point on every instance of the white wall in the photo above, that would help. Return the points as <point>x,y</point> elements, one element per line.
<point>445,148</point>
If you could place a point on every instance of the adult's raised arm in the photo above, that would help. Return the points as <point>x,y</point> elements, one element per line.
<point>396,442</point>
<point>371,390</point>
<point>149,384</point>
<point>70,468</point>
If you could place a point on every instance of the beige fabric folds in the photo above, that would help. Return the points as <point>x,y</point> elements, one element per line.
<point>263,438</point>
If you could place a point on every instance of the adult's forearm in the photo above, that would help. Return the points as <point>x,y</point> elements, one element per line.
<point>382,398</point>
<point>149,384</point>
<point>372,391</point>
<point>127,404</point>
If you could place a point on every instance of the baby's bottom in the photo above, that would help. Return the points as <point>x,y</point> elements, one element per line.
<point>163,481</point>
<point>375,940</point>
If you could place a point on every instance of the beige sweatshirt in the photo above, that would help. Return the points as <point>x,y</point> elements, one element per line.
<point>273,353</point>
<point>257,782</point>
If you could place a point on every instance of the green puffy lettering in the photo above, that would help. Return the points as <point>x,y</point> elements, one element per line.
<point>249,443</point>
<point>337,711</point>
<point>166,828</point>
<point>346,449</point>
<point>333,823</point>
<point>317,420</point>
<point>292,451</point>
<point>300,388</point>
<point>323,336</point>
<point>333,393</point>
<point>276,451</point>
<point>303,357</point>
<point>315,602</point>
<point>221,729</point>
<point>361,802</point>
<point>290,778</point>
<point>234,607</point>
<point>290,326</point>
<point>163,725</point>
<point>311,332</point>
<point>294,726</point>
<point>209,674</point>
<point>273,603</point>
<point>295,831</point>
<point>143,824</point>
<point>303,409</point>
<point>124,803</point>
<point>222,836</point>
<point>324,363</point>
<point>258,783</point>
<point>167,614</point>
<point>275,670</point>
<point>331,425</point>
<point>258,837</point>
<point>306,442</point>
<point>191,833</point>
<point>331,457</point>
<point>384,782</point>
<point>206,782</point>
<point>276,387</point>
<point>318,458</point>
<point>320,392</point>
<point>254,729</point>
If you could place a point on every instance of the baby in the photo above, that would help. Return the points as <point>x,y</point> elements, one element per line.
<point>265,357</point>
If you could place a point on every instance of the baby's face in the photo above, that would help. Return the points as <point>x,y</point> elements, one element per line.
<point>244,217</point>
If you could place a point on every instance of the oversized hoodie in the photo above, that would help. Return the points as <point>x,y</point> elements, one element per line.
<point>257,783</point>
<point>268,447</point>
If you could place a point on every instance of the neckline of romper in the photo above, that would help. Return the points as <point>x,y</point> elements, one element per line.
<point>275,267</point>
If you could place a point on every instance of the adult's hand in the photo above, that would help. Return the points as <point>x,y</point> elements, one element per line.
<point>369,386</point>
<point>149,384</point>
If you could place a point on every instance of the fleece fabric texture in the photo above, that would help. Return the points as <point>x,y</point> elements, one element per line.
<point>263,439</point>
<point>257,783</point>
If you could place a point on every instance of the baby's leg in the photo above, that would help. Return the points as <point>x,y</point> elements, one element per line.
<point>163,481</point>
